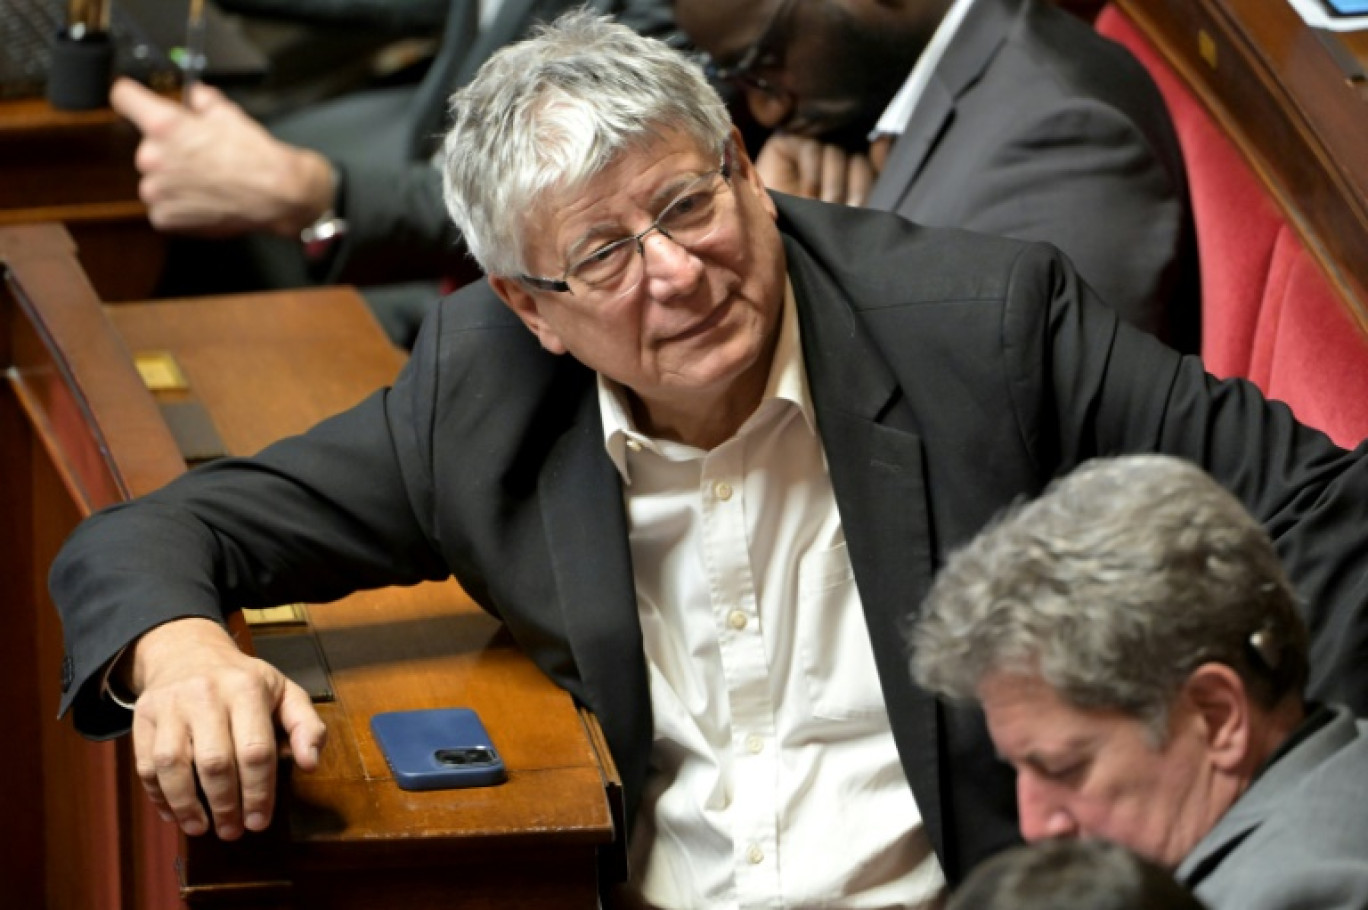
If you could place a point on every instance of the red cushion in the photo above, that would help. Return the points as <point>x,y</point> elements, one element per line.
<point>1268,312</point>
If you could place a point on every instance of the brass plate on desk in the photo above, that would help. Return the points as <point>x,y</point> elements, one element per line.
<point>160,372</point>
<point>281,637</point>
<point>285,615</point>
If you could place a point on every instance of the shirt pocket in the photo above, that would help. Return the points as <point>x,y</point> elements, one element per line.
<point>839,673</point>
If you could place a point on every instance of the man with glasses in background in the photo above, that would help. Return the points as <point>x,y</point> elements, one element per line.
<point>698,447</point>
<point>1008,117</point>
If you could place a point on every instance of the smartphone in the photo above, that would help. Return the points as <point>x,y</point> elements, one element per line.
<point>1347,7</point>
<point>438,749</point>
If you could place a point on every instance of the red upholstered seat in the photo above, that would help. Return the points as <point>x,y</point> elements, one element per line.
<point>1268,312</point>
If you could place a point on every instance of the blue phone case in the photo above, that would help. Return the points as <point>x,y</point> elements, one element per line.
<point>1348,7</point>
<point>437,749</point>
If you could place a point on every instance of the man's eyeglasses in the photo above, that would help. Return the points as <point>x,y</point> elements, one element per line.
<point>764,54</point>
<point>689,220</point>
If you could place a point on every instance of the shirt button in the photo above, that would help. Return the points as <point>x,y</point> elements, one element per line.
<point>723,490</point>
<point>634,445</point>
<point>755,855</point>
<point>755,745</point>
<point>737,620</point>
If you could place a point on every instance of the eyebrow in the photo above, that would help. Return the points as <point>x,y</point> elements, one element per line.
<point>1039,759</point>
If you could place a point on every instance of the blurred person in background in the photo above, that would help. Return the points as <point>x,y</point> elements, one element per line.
<point>1007,117</point>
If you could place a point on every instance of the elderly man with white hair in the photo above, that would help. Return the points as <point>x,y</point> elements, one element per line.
<point>698,446</point>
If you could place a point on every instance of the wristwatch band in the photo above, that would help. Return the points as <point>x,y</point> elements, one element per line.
<point>321,236</point>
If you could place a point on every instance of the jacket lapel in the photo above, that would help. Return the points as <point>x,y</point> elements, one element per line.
<point>966,57</point>
<point>909,153</point>
<point>591,565</point>
<point>875,460</point>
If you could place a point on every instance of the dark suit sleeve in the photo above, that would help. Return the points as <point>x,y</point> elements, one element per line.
<point>1083,177</point>
<point>398,228</point>
<point>311,518</point>
<point>1108,389</point>
<point>402,18</point>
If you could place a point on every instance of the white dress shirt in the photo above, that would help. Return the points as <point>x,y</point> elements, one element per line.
<point>894,118</point>
<point>774,780</point>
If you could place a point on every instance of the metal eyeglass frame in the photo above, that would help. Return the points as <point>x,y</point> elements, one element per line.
<point>561,285</point>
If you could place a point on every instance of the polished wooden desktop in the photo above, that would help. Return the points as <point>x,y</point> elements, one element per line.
<point>80,429</point>
<point>1295,100</point>
<point>76,167</point>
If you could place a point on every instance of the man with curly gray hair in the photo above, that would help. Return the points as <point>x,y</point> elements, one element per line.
<point>1138,654</point>
<point>697,445</point>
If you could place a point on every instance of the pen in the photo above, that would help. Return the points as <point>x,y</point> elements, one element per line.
<point>87,17</point>
<point>193,64</point>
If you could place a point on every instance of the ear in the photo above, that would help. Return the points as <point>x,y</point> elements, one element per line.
<point>1218,695</point>
<point>527,307</point>
<point>744,173</point>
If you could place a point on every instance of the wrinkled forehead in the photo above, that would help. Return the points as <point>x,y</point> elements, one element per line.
<point>624,182</point>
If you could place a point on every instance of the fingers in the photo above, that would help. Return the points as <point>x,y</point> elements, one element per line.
<point>144,736</point>
<point>842,176</point>
<point>812,158</point>
<point>807,167</point>
<point>149,112</point>
<point>777,165</point>
<point>205,97</point>
<point>303,727</point>
<point>164,743</point>
<point>249,786</point>
<point>204,729</point>
<point>860,176</point>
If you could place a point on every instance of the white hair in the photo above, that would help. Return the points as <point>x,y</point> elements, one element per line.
<point>546,115</point>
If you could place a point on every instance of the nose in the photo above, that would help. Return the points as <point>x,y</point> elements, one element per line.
<point>670,269</point>
<point>770,109</point>
<point>1041,815</point>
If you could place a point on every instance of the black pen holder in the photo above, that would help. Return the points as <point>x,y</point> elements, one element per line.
<point>79,77</point>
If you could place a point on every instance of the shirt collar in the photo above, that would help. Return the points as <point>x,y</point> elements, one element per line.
<point>787,382</point>
<point>899,111</point>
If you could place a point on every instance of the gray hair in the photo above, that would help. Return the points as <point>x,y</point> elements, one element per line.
<point>1075,872</point>
<point>1113,587</point>
<point>549,113</point>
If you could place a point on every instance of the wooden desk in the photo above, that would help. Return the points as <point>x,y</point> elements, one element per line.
<point>1288,95</point>
<point>77,168</point>
<point>77,430</point>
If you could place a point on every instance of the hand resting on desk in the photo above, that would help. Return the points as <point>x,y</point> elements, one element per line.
<point>211,169</point>
<point>205,707</point>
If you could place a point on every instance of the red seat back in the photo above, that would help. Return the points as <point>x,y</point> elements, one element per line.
<point>1268,312</point>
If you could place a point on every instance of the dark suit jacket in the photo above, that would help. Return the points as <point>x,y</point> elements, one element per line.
<point>951,374</point>
<point>1034,126</point>
<point>1298,838</point>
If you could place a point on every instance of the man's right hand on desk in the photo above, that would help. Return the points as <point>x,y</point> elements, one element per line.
<point>205,707</point>
<point>211,169</point>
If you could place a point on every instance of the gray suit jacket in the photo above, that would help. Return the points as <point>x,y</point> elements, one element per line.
<point>1298,838</point>
<point>951,374</point>
<point>1034,126</point>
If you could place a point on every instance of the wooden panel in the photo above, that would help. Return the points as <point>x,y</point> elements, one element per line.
<point>22,862</point>
<point>77,168</point>
<point>1292,107</point>
<point>395,649</point>
<point>79,431</point>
